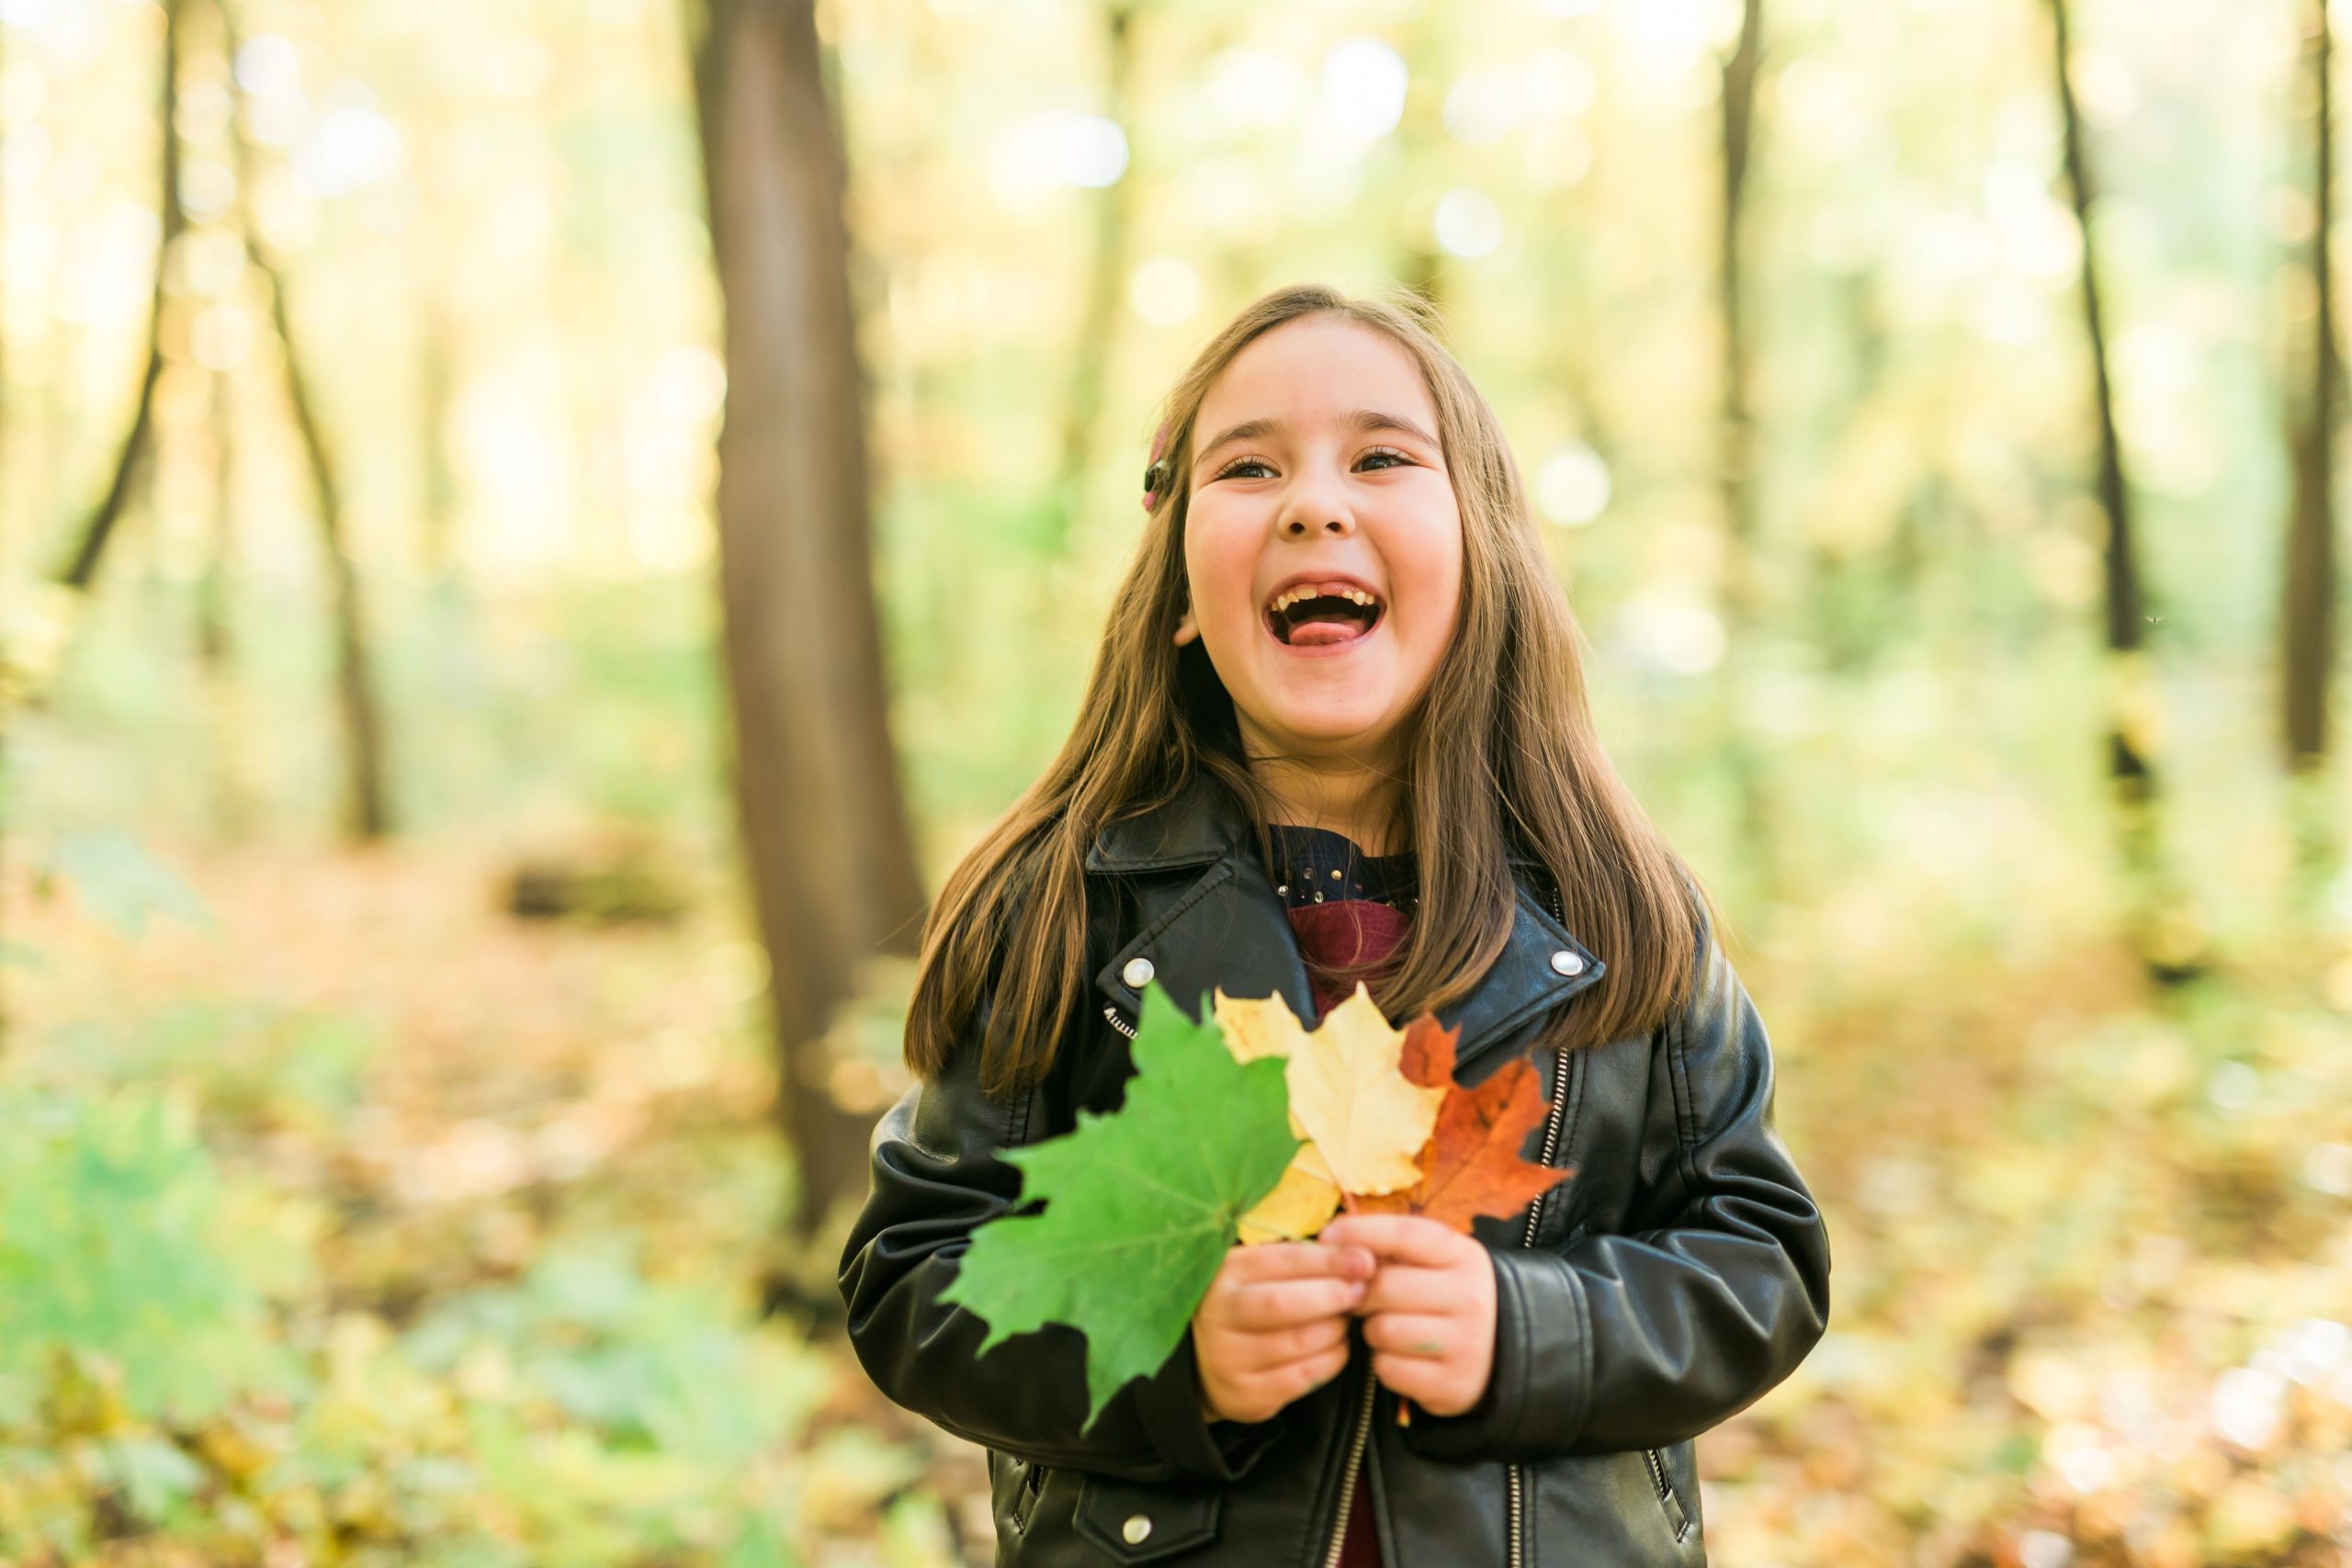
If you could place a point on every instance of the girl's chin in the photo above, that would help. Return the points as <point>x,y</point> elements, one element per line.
<point>1321,715</point>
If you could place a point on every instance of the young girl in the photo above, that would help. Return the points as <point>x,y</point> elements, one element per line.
<point>1338,731</point>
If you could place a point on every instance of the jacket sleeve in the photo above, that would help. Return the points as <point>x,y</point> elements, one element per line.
<point>936,1177</point>
<point>1644,1339</point>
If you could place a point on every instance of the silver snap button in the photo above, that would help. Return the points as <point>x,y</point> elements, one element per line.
<point>1567,963</point>
<point>1137,1531</point>
<point>1138,973</point>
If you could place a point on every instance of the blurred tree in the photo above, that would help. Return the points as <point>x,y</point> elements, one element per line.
<point>1422,148</point>
<point>817,784</point>
<point>1735,421</point>
<point>2307,620</point>
<point>365,816</point>
<point>1098,323</point>
<point>235,797</point>
<point>2167,940</point>
<point>437,380</point>
<point>82,569</point>
<point>366,812</point>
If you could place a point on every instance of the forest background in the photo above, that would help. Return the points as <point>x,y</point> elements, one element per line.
<point>451,961</point>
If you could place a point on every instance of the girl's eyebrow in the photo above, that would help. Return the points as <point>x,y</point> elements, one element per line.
<point>1356,419</point>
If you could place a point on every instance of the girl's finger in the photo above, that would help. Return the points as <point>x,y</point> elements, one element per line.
<point>1397,1239</point>
<point>1402,1287</point>
<point>1308,1342</point>
<point>1294,1261</point>
<point>1413,1334</point>
<point>1286,1304</point>
<point>1302,1376</point>
<point>1411,1377</point>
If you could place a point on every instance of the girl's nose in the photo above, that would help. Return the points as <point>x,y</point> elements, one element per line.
<point>1314,509</point>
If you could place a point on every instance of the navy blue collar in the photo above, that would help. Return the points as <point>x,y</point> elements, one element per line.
<point>1319,865</point>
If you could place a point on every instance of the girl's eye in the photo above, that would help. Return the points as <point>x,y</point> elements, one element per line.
<point>1234,468</point>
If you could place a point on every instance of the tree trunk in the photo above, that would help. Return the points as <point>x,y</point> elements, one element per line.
<point>1735,477</point>
<point>2167,939</point>
<point>82,569</point>
<point>1098,330</point>
<point>436,390</point>
<point>2307,619</point>
<point>824,823</point>
<point>234,785</point>
<point>366,816</point>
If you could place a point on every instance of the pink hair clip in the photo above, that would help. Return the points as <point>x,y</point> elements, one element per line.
<point>1156,476</point>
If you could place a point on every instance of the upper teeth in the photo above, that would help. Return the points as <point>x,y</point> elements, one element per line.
<point>1290,596</point>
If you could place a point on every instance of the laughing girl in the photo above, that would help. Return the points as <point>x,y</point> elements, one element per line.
<point>1338,731</point>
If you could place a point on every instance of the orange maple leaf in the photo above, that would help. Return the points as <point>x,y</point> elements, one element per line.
<point>1471,1165</point>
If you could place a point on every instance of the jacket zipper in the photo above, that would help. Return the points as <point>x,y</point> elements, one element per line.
<point>1665,1497</point>
<point>1347,1477</point>
<point>1032,1485</point>
<point>1120,1024</point>
<point>1517,1531</point>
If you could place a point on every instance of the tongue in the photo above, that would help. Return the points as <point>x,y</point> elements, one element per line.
<point>1314,634</point>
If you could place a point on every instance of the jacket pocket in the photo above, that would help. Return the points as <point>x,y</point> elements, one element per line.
<point>1145,1524</point>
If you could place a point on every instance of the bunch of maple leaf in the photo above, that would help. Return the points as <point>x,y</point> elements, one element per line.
<point>1246,1126</point>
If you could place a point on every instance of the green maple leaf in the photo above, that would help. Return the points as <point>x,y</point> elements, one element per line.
<point>1140,1204</point>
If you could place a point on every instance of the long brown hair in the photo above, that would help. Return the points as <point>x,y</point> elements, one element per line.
<point>1501,749</point>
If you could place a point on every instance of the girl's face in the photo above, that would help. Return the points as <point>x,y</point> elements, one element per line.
<point>1317,470</point>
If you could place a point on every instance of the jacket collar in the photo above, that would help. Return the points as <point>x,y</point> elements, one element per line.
<point>1230,929</point>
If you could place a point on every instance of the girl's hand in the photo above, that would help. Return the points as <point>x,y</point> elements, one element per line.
<point>1274,1325</point>
<point>1429,1314</point>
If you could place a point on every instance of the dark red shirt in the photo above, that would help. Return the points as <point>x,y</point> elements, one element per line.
<point>1361,915</point>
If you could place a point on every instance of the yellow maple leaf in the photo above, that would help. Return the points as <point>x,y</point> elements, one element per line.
<point>1258,1026</point>
<point>1300,1203</point>
<point>1348,1095</point>
<point>1306,1196</point>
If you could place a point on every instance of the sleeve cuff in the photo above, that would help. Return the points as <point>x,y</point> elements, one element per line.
<point>1170,1406</point>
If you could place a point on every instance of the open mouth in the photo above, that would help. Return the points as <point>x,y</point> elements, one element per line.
<point>1319,615</point>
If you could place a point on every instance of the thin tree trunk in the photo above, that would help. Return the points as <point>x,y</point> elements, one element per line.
<point>437,382</point>
<point>1098,330</point>
<point>2167,939</point>
<point>81,569</point>
<point>831,860</point>
<point>1423,149</point>
<point>367,814</point>
<point>2307,591</point>
<point>1424,272</point>
<point>1735,467</point>
<point>232,783</point>
<point>4,216</point>
<point>2308,599</point>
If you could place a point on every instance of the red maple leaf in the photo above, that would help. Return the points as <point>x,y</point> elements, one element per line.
<point>1471,1165</point>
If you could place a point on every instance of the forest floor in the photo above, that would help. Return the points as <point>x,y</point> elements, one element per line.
<point>346,1218</point>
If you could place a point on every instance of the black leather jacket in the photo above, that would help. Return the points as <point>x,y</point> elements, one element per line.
<point>1679,1275</point>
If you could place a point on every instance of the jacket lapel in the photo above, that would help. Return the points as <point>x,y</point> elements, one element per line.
<point>1228,929</point>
